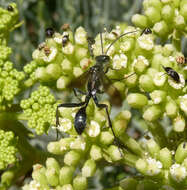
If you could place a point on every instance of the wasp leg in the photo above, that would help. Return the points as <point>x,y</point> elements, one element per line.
<point>66,105</point>
<point>76,91</point>
<point>116,140</point>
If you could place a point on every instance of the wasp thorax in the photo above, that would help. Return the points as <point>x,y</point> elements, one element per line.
<point>102,58</point>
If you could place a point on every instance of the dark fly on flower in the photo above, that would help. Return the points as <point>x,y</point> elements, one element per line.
<point>94,77</point>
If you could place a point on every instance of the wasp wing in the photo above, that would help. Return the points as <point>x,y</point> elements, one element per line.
<point>112,91</point>
<point>80,82</point>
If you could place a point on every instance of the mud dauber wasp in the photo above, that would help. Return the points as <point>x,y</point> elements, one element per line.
<point>94,84</point>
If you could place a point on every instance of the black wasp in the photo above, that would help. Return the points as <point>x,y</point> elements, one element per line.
<point>172,73</point>
<point>94,84</point>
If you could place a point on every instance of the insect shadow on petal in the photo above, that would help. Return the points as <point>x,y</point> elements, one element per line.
<point>94,79</point>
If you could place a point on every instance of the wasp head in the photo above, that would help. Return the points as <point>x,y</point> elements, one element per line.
<point>102,59</point>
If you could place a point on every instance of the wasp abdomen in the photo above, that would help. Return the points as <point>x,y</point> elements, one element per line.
<point>80,120</point>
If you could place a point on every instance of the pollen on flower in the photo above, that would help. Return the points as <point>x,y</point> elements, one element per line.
<point>84,63</point>
<point>142,60</point>
<point>51,56</point>
<point>154,166</point>
<point>159,79</point>
<point>68,49</point>
<point>145,42</point>
<point>58,38</point>
<point>94,129</point>
<point>175,85</point>
<point>65,125</point>
<point>119,61</point>
<point>80,36</point>
<point>178,172</point>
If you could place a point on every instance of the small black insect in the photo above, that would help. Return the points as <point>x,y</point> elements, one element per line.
<point>94,78</point>
<point>10,8</point>
<point>49,32</point>
<point>172,73</point>
<point>146,31</point>
<point>65,40</point>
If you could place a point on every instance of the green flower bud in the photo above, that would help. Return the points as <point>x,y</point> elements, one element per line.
<point>142,166</point>
<point>165,157</point>
<point>81,53</point>
<point>158,96</point>
<point>66,65</point>
<point>80,36</point>
<point>153,148</point>
<point>145,43</point>
<point>41,74</point>
<point>66,175</point>
<point>95,152</point>
<point>140,20</point>
<point>7,177</point>
<point>114,153</point>
<point>54,71</point>
<point>94,129</point>
<point>55,148</point>
<point>132,80</point>
<point>38,174</point>
<point>152,3</point>
<point>52,176</point>
<point>146,83</point>
<point>140,64</point>
<point>52,163</point>
<point>153,14</point>
<point>183,103</point>
<point>72,158</point>
<point>159,79</point>
<point>179,124</point>
<point>68,49</point>
<point>67,187</point>
<point>181,152</point>
<point>167,13</point>
<point>62,82</point>
<point>161,28</point>
<point>106,138</point>
<point>179,22</point>
<point>77,71</point>
<point>78,144</point>
<point>183,9</point>
<point>152,113</point>
<point>127,45</point>
<point>119,61</point>
<point>171,108</point>
<point>137,100</point>
<point>132,144</point>
<point>80,183</point>
<point>89,168</point>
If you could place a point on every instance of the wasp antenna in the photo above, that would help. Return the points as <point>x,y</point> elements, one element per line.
<point>119,38</point>
<point>130,75</point>
<point>101,43</point>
